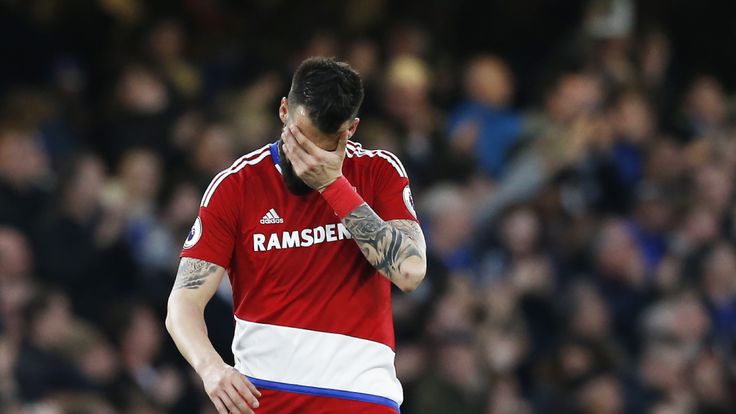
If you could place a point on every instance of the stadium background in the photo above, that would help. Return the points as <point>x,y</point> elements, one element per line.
<point>573,163</point>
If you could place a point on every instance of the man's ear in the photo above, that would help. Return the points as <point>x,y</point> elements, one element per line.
<point>353,127</point>
<point>284,110</point>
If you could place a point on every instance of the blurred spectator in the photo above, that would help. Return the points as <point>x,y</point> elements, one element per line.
<point>634,126</point>
<point>253,114</point>
<point>663,378</point>
<point>709,382</point>
<point>560,137</point>
<point>589,320</point>
<point>654,61</point>
<point>160,247</point>
<point>139,336</point>
<point>79,243</point>
<point>572,95</point>
<point>602,395</point>
<point>41,116</point>
<point>141,115</point>
<point>213,152</point>
<point>407,104</point>
<point>447,211</point>
<point>364,56</point>
<point>705,107</point>
<point>24,169</point>
<point>167,46</point>
<point>714,187</point>
<point>408,39</point>
<point>134,194</point>
<point>485,127</point>
<point>506,398</point>
<point>652,218</point>
<point>40,370</point>
<point>719,288</point>
<point>456,384</point>
<point>520,239</point>
<point>16,281</point>
<point>620,273</point>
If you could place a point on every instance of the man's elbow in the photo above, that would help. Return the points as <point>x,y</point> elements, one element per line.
<point>411,277</point>
<point>173,307</point>
<point>169,322</point>
<point>182,306</point>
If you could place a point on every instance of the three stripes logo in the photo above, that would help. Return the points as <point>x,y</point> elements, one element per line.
<point>271,217</point>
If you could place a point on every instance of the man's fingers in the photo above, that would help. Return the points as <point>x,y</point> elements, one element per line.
<point>291,147</point>
<point>238,405</point>
<point>294,151</point>
<point>230,405</point>
<point>241,385</point>
<point>239,400</point>
<point>303,141</point>
<point>250,386</point>
<point>295,159</point>
<point>219,405</point>
<point>288,147</point>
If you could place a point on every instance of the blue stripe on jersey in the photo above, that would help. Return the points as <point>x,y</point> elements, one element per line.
<point>325,392</point>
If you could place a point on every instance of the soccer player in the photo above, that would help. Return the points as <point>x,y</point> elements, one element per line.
<point>312,230</point>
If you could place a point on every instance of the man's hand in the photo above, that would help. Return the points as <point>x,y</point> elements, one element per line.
<point>318,168</point>
<point>229,390</point>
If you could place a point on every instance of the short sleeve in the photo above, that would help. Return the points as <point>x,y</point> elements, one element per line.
<point>213,235</point>
<point>393,199</point>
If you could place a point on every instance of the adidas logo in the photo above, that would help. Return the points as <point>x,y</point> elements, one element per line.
<point>271,217</point>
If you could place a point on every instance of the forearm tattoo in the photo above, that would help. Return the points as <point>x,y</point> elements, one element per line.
<point>386,244</point>
<point>193,273</point>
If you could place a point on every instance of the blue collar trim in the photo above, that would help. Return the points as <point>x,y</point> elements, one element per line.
<point>274,148</point>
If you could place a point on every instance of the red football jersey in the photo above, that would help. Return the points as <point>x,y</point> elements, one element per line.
<point>313,317</point>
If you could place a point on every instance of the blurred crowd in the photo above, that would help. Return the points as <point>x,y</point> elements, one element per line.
<point>578,204</point>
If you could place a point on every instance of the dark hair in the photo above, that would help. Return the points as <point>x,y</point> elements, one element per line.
<point>330,91</point>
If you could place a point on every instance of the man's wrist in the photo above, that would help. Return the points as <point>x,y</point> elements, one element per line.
<point>324,187</point>
<point>204,366</point>
<point>342,196</point>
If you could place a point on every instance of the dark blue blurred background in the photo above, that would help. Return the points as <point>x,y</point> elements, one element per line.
<point>573,165</point>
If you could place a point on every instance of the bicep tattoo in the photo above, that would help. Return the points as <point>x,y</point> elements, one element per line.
<point>385,244</point>
<point>193,273</point>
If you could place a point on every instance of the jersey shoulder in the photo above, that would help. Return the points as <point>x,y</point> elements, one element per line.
<point>374,159</point>
<point>230,178</point>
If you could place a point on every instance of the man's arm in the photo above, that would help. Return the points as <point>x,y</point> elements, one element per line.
<point>196,283</point>
<point>395,248</point>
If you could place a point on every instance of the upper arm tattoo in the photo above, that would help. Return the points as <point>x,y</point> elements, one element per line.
<point>386,244</point>
<point>193,273</point>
